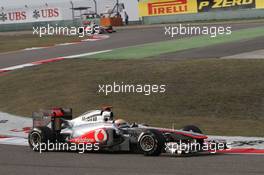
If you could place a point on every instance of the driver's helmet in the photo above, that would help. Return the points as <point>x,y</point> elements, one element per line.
<point>107,115</point>
<point>121,123</point>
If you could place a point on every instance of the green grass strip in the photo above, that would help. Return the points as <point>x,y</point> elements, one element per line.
<point>155,49</point>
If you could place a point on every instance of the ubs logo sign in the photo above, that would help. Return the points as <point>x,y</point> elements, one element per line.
<point>29,15</point>
<point>13,16</point>
<point>46,13</point>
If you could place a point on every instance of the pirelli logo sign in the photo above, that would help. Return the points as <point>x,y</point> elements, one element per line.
<point>167,7</point>
<point>170,7</point>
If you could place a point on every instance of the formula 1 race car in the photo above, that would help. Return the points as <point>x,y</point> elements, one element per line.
<point>90,23</point>
<point>99,127</point>
<point>91,28</point>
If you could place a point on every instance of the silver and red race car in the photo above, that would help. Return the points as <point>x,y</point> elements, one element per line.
<point>98,127</point>
<point>91,28</point>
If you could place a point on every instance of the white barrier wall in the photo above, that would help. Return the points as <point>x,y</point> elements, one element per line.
<point>21,11</point>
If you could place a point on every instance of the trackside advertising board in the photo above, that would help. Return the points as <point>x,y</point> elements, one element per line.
<point>166,7</point>
<point>259,4</point>
<point>210,5</point>
<point>172,7</point>
<point>30,15</point>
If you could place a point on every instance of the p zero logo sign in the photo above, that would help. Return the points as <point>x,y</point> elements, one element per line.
<point>166,7</point>
<point>210,5</point>
<point>259,4</point>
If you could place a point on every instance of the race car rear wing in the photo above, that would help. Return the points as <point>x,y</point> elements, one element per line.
<point>44,117</point>
<point>41,118</point>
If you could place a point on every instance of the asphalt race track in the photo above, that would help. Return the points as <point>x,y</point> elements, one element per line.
<point>122,38</point>
<point>21,160</point>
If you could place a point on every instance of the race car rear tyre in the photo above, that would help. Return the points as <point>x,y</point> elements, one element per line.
<point>39,137</point>
<point>192,128</point>
<point>151,143</point>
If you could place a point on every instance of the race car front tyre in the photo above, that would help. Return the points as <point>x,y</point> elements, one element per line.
<point>151,143</point>
<point>192,128</point>
<point>39,137</point>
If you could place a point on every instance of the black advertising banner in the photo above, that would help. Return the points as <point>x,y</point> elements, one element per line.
<point>212,5</point>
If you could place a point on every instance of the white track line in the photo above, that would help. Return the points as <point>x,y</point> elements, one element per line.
<point>17,67</point>
<point>87,54</point>
<point>35,48</point>
<point>94,38</point>
<point>4,70</point>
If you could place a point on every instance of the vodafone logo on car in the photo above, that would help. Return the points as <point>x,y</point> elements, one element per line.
<point>100,135</point>
<point>94,136</point>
